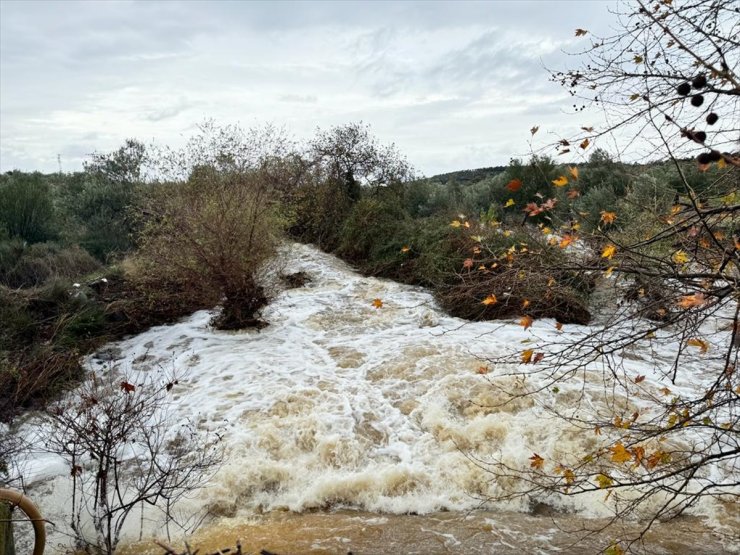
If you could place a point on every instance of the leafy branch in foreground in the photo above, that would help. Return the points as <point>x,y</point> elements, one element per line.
<point>651,392</point>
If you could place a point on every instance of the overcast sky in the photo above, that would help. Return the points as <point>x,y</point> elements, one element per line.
<point>455,85</point>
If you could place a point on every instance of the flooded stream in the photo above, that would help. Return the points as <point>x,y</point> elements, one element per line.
<point>347,428</point>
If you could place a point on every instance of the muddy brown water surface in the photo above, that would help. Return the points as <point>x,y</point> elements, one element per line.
<point>483,532</point>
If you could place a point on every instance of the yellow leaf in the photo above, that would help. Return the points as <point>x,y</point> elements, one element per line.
<point>584,144</point>
<point>526,321</point>
<point>405,249</point>
<point>614,549</point>
<point>620,454</point>
<point>525,303</point>
<point>700,343</point>
<point>573,172</point>
<point>536,461</point>
<point>721,164</point>
<point>680,257</point>
<point>467,224</point>
<point>509,202</point>
<point>561,181</point>
<point>455,223</point>
<point>377,303</point>
<point>490,299</point>
<point>609,271</point>
<point>608,217</point>
<point>609,251</point>
<point>604,481</point>
<point>527,356</point>
<point>569,476</point>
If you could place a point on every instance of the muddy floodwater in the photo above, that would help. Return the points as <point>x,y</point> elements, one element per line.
<point>387,411</point>
<point>475,532</point>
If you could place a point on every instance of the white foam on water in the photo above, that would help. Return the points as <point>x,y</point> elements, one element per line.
<point>339,403</point>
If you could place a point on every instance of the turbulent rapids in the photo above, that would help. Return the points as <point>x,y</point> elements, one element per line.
<point>357,417</point>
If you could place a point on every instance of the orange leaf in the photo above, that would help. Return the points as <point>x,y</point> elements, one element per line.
<point>692,301</point>
<point>468,263</point>
<point>483,370</point>
<point>526,321</point>
<point>558,326</point>
<point>608,217</point>
<point>490,299</point>
<point>405,249</point>
<point>514,185</point>
<point>525,303</point>
<point>584,144</point>
<point>561,181</point>
<point>620,454</point>
<point>573,193</point>
<point>537,462</point>
<point>527,356</point>
<point>573,172</point>
<point>567,240</point>
<point>696,342</point>
<point>377,303</point>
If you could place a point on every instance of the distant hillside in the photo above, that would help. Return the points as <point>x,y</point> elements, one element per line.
<point>467,177</point>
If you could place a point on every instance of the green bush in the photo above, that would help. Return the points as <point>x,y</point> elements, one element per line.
<point>23,265</point>
<point>26,207</point>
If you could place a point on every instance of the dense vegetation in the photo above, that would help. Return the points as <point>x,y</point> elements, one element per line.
<point>89,256</point>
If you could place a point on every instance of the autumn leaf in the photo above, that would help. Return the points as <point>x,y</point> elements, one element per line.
<point>561,181</point>
<point>537,462</point>
<point>614,549</point>
<point>604,481</point>
<point>569,476</point>
<point>680,257</point>
<point>639,453</point>
<point>127,387</point>
<point>514,185</point>
<point>609,252</point>
<point>665,391</point>
<point>608,217</point>
<point>584,144</point>
<point>609,271</point>
<point>573,193</point>
<point>638,59</point>
<point>581,32</point>
<point>534,129</point>
<point>692,301</point>
<point>567,240</point>
<point>483,370</point>
<point>620,454</point>
<point>525,303</point>
<point>538,357</point>
<point>634,97</point>
<point>526,321</point>
<point>700,343</point>
<point>405,249</point>
<point>377,303</point>
<point>639,379</point>
<point>573,172</point>
<point>527,356</point>
<point>468,263</point>
<point>455,223</point>
<point>559,326</point>
<point>489,300</point>
<point>509,202</point>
